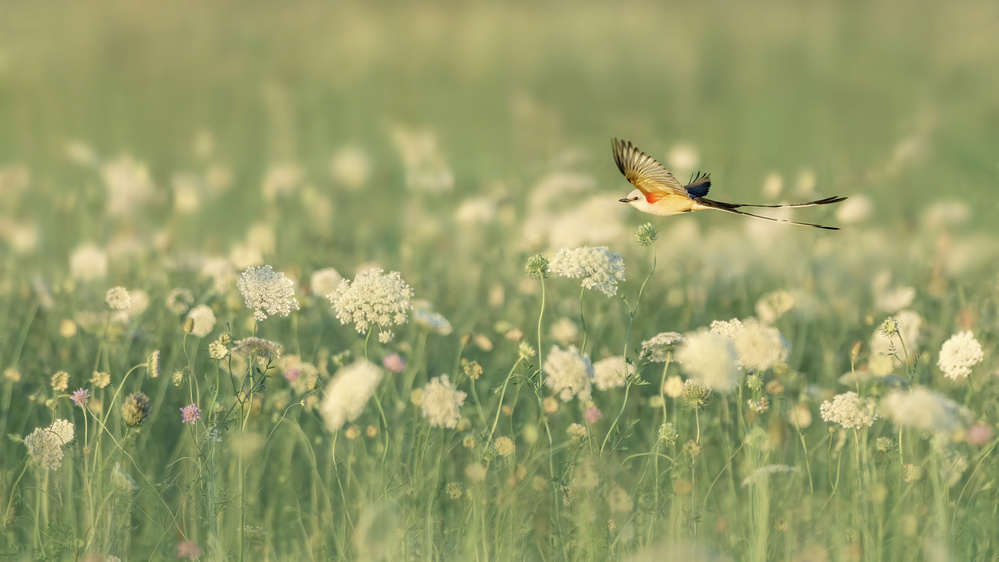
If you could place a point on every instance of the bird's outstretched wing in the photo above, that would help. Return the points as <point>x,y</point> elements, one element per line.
<point>645,173</point>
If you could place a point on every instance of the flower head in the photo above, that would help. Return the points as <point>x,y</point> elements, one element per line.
<point>64,430</point>
<point>442,402</point>
<point>190,414</point>
<point>257,347</point>
<point>44,449</point>
<point>646,234</point>
<point>60,381</point>
<point>959,354</point>
<point>597,267</point>
<point>568,373</point>
<point>537,267</point>
<point>772,306</point>
<point>325,281</point>
<point>924,410</point>
<point>431,320</point>
<point>118,298</point>
<point>904,326</point>
<point>80,397</point>
<point>219,349</point>
<point>100,380</point>
<point>267,292</point>
<point>611,372</point>
<point>348,392</point>
<point>153,364</point>
<point>203,320</point>
<point>394,363</point>
<point>850,411</point>
<point>759,346</point>
<point>658,348</point>
<point>135,409</point>
<point>374,297</point>
<point>710,359</point>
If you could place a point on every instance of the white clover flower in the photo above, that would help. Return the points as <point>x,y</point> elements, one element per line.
<point>611,372</point>
<point>442,403</point>
<point>426,317</point>
<point>88,262</point>
<point>924,410</point>
<point>710,359</point>
<point>118,298</point>
<point>599,268</point>
<point>772,306</point>
<point>657,348</point>
<point>849,410</point>
<point>568,373</point>
<point>374,297</point>
<point>759,346</point>
<point>204,320</point>
<point>267,292</point>
<point>959,354</point>
<point>348,392</point>
<point>325,281</point>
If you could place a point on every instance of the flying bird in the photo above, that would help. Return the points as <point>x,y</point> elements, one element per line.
<point>659,193</point>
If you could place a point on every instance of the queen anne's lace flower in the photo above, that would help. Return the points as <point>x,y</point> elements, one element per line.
<point>710,359</point>
<point>568,373</point>
<point>924,410</point>
<point>599,268</point>
<point>759,346</point>
<point>203,320</point>
<point>349,392</point>
<point>325,281</point>
<point>849,410</point>
<point>658,348</point>
<point>442,403</point>
<point>267,292</point>
<point>959,354</point>
<point>611,372</point>
<point>118,298</point>
<point>373,298</point>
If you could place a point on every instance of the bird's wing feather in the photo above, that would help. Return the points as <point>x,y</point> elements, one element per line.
<point>645,173</point>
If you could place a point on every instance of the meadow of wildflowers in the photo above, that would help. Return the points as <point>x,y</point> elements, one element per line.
<point>350,282</point>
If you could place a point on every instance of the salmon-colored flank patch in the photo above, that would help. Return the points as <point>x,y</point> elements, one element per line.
<point>652,196</point>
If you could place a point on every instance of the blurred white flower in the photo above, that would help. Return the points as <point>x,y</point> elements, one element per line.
<point>611,372</point>
<point>128,183</point>
<point>374,297</point>
<point>565,331</point>
<point>709,359</point>
<point>428,318</point>
<point>759,346</point>
<point>924,410</point>
<point>476,211</point>
<point>442,403</point>
<point>959,354</point>
<point>179,300</point>
<point>682,157</point>
<point>88,262</point>
<point>424,163</point>
<point>348,392</point>
<point>568,373</point>
<point>325,281</point>
<point>351,167</point>
<point>281,179</point>
<point>267,292</point>
<point>945,214</point>
<point>204,320</point>
<point>772,306</point>
<point>598,267</point>
<point>773,184</point>
<point>186,193</point>
<point>849,410</point>
<point>856,209</point>
<point>909,326</point>
<point>118,298</point>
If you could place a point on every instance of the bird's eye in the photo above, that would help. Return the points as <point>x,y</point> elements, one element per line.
<point>634,199</point>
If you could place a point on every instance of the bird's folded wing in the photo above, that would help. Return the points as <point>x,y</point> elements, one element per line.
<point>645,173</point>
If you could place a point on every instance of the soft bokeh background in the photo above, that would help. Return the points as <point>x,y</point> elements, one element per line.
<point>451,140</point>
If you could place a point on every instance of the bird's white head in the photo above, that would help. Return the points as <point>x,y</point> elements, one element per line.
<point>637,200</point>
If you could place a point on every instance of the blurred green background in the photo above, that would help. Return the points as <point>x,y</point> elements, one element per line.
<point>754,86</point>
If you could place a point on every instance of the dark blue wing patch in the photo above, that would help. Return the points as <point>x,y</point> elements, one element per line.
<point>699,185</point>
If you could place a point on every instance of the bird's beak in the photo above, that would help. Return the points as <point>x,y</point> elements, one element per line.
<point>623,199</point>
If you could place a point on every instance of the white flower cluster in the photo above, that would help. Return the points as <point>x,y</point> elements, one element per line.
<point>203,320</point>
<point>758,346</point>
<point>442,402</point>
<point>849,410</point>
<point>923,410</point>
<point>772,306</point>
<point>710,360</point>
<point>425,316</point>
<point>611,372</point>
<point>959,354</point>
<point>598,267</point>
<point>267,292</point>
<point>373,298</point>
<point>657,348</point>
<point>118,298</point>
<point>568,373</point>
<point>349,392</point>
<point>45,443</point>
